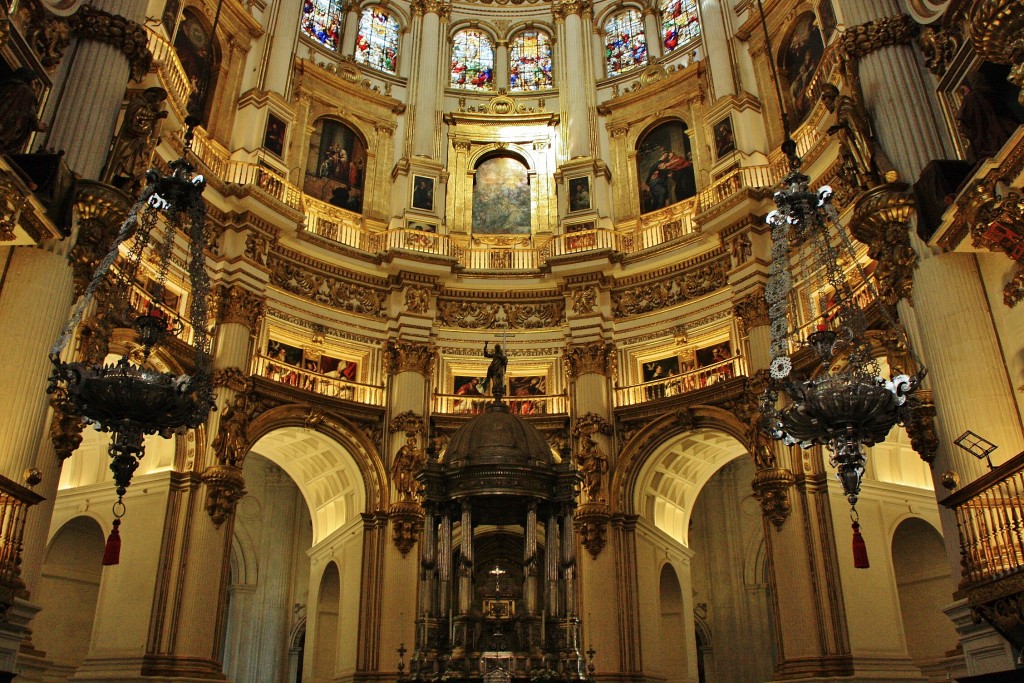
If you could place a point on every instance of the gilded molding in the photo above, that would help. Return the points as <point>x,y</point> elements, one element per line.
<point>751,310</point>
<point>406,357</point>
<point>939,46</point>
<point>857,41</point>
<point>652,296</point>
<point>881,220</point>
<point>12,203</point>
<point>596,358</point>
<point>127,36</point>
<point>238,305</point>
<point>584,300</point>
<point>409,422</point>
<point>417,300</point>
<point>476,315</point>
<point>996,222</point>
<point>233,378</point>
<point>327,290</point>
<point>442,8</point>
<point>48,35</point>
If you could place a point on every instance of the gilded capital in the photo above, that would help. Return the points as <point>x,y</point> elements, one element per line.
<point>864,39</point>
<point>402,357</point>
<point>442,8</point>
<point>565,8</point>
<point>236,304</point>
<point>89,23</point>
<point>596,358</point>
<point>751,310</point>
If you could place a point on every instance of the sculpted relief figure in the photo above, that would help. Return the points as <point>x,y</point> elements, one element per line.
<point>408,461</point>
<point>593,464</point>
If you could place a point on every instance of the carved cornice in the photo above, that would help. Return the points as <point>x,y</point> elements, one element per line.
<point>483,315</point>
<point>236,304</point>
<point>596,358</point>
<point>405,357</point>
<point>857,41</point>
<point>881,220</point>
<point>751,310</point>
<point>89,23</point>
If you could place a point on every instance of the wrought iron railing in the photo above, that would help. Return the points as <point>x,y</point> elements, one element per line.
<point>990,521</point>
<point>15,500</point>
<point>317,383</point>
<point>470,404</point>
<point>675,385</point>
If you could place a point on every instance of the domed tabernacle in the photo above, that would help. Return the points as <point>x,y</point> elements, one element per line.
<point>497,436</point>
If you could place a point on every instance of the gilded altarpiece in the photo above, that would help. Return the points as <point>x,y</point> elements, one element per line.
<point>658,97</point>
<point>500,131</point>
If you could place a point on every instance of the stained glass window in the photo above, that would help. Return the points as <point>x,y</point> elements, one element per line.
<point>530,67</point>
<point>472,61</point>
<point>321,21</point>
<point>377,44</point>
<point>679,23</point>
<point>625,46</point>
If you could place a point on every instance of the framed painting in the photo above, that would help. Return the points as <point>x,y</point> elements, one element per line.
<point>827,17</point>
<point>579,193</point>
<point>654,371</point>
<point>798,60</point>
<point>273,136</point>
<point>664,167</point>
<point>714,354</point>
<point>336,166</point>
<point>170,19</point>
<point>466,385</point>
<point>724,142</point>
<point>422,226</point>
<point>501,197</point>
<point>284,353</point>
<point>533,385</point>
<point>422,193</point>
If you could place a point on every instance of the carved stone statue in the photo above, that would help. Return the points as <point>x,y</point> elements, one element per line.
<point>133,148</point>
<point>408,461</point>
<point>853,128</point>
<point>593,464</point>
<point>18,110</point>
<point>495,380</point>
<point>232,442</point>
<point>741,250</point>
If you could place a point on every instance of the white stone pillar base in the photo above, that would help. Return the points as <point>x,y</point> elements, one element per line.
<point>985,651</point>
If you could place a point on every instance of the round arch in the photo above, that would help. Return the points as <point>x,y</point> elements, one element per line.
<point>532,25</point>
<point>616,8</point>
<point>307,447</point>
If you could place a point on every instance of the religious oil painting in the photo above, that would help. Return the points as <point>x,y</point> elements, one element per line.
<point>664,167</point>
<point>192,45</point>
<point>171,10</point>
<point>501,197</point>
<point>827,15</point>
<point>533,385</point>
<point>724,142</point>
<point>579,193</point>
<point>711,355</point>
<point>422,193</point>
<point>273,137</point>
<point>585,240</point>
<point>657,370</point>
<point>463,385</point>
<point>422,226</point>
<point>336,167</point>
<point>284,353</point>
<point>798,60</point>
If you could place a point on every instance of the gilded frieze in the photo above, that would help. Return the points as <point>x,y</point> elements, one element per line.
<point>327,290</point>
<point>681,287</point>
<point>480,315</point>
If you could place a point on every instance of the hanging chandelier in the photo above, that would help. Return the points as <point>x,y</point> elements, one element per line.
<point>128,398</point>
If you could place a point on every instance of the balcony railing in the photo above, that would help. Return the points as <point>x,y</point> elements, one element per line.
<point>170,71</point>
<point>452,404</point>
<point>990,520</point>
<point>15,500</point>
<point>675,385</point>
<point>412,240</point>
<point>325,385</point>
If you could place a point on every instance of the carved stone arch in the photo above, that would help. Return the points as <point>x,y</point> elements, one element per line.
<point>297,634</point>
<point>755,558</point>
<point>894,524</point>
<point>243,562</point>
<point>481,152</point>
<point>338,429</point>
<point>531,25</point>
<point>636,452</point>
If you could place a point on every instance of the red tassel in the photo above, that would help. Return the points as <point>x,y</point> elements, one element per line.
<point>860,550</point>
<point>112,551</point>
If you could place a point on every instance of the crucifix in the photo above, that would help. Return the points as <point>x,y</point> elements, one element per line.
<point>497,572</point>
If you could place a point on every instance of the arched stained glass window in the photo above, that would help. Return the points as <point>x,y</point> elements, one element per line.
<point>530,67</point>
<point>321,21</point>
<point>377,44</point>
<point>472,61</point>
<point>679,23</point>
<point>625,46</point>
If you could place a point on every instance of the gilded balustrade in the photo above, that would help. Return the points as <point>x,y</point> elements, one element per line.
<point>461,404</point>
<point>683,383</point>
<point>15,500</point>
<point>171,73</point>
<point>325,385</point>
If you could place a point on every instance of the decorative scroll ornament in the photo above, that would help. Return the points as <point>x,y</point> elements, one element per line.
<point>594,358</point>
<point>939,47</point>
<point>406,524</point>
<point>591,522</point>
<point>857,41</point>
<point>12,202</point>
<point>584,300</point>
<point>417,300</point>
<point>48,35</point>
<point>566,8</point>
<point>101,209</point>
<point>442,8</point>
<point>771,489</point>
<point>476,315</point>
<point>409,422</point>
<point>127,36</point>
<point>996,28</point>
<point>881,220</point>
<point>647,297</point>
<point>326,290</point>
<point>225,486</point>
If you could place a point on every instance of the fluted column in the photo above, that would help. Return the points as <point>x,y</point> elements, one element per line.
<point>530,561</point>
<point>551,553</point>
<point>351,29</point>
<point>573,87</point>
<point>652,29</point>
<point>276,65</point>
<point>717,48</point>
<point>428,82</point>
<point>92,92</point>
<point>466,562</point>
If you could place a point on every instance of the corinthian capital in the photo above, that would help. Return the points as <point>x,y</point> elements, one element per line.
<point>442,8</point>
<point>406,357</point>
<point>596,358</point>
<point>564,8</point>
<point>236,304</point>
<point>751,310</point>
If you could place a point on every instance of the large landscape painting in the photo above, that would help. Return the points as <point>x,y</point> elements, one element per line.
<point>337,165</point>
<point>501,197</point>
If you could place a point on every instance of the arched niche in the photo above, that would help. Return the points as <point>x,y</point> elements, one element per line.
<point>798,58</point>
<point>664,165</point>
<point>336,164</point>
<point>673,624</point>
<point>324,654</point>
<point>68,591</point>
<point>924,586</point>
<point>200,57</point>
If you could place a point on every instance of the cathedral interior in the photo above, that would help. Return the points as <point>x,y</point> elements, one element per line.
<point>423,340</point>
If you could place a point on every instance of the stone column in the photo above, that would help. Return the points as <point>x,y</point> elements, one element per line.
<point>717,48</point>
<point>466,559</point>
<point>351,31</point>
<point>551,553</point>
<point>276,65</point>
<point>501,65</point>
<point>530,561</point>
<point>652,29</point>
<point>569,14</point>
<point>429,79</point>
